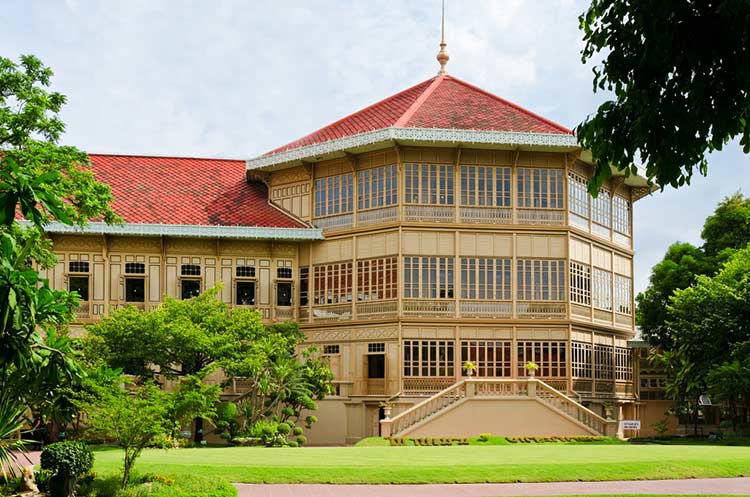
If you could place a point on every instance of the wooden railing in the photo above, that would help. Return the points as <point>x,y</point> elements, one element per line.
<point>333,223</point>
<point>430,213</point>
<point>497,388</point>
<point>422,386</point>
<point>485,309</point>
<point>83,311</point>
<point>327,313</point>
<point>429,308</point>
<point>377,309</point>
<point>283,314</point>
<point>540,216</point>
<point>541,310</point>
<point>377,216</point>
<point>485,215</point>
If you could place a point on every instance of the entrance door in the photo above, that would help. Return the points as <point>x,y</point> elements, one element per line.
<point>376,374</point>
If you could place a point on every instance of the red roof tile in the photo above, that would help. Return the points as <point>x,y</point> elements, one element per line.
<point>441,102</point>
<point>172,190</point>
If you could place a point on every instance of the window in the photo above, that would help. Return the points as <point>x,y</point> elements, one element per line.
<point>190,270</point>
<point>540,279</point>
<point>245,272</point>
<point>602,289</point>
<point>244,293</point>
<point>190,288</point>
<point>377,279</point>
<point>602,208</point>
<point>485,186</point>
<point>330,349</point>
<point>333,283</point>
<point>135,289</point>
<point>603,355</point>
<point>304,286</point>
<point>79,285</point>
<point>428,184</point>
<point>284,272</point>
<point>623,295</point>
<point>549,356</point>
<point>580,359</point>
<point>492,358</point>
<point>377,187</point>
<point>135,268</point>
<point>376,347</point>
<point>578,195</point>
<point>428,358</point>
<point>485,279</point>
<point>428,277</point>
<point>539,188</point>
<point>334,195</point>
<point>283,293</point>
<point>580,283</point>
<point>621,215</point>
<point>78,267</point>
<point>623,366</point>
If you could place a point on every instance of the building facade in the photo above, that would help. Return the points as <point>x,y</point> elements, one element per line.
<point>438,226</point>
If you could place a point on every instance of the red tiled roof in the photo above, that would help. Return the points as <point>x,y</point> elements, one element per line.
<point>441,102</point>
<point>174,190</point>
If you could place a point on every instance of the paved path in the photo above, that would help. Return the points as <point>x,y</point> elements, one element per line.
<point>737,486</point>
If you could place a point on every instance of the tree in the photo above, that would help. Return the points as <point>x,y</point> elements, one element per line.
<point>133,419</point>
<point>724,232</point>
<point>42,181</point>
<point>711,334</point>
<point>681,83</point>
<point>678,269</point>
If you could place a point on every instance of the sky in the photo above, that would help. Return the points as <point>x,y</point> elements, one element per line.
<point>234,79</point>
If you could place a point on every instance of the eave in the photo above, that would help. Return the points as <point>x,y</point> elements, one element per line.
<point>191,231</point>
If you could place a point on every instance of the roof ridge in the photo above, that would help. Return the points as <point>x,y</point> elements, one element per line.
<point>418,102</point>
<point>344,118</point>
<point>144,156</point>
<point>511,104</point>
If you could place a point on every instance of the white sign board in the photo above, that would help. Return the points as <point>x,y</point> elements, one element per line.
<point>630,424</point>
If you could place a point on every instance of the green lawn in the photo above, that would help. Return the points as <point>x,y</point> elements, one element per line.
<point>461,464</point>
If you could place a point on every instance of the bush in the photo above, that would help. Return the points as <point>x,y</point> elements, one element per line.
<point>484,437</point>
<point>301,440</point>
<point>297,431</point>
<point>159,486</point>
<point>283,429</point>
<point>66,461</point>
<point>292,443</point>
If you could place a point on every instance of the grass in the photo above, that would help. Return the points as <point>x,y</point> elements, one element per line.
<point>456,464</point>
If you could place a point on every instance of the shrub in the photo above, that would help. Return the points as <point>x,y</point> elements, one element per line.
<point>484,437</point>
<point>301,440</point>
<point>292,443</point>
<point>66,461</point>
<point>283,429</point>
<point>297,431</point>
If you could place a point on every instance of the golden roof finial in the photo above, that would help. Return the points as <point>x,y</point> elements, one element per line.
<point>442,55</point>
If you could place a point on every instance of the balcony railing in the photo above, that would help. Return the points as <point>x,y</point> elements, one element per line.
<point>83,311</point>
<point>486,215</point>
<point>430,213</point>
<point>379,309</point>
<point>429,308</point>
<point>334,223</point>
<point>377,216</point>
<point>541,310</point>
<point>329,313</point>
<point>283,314</point>
<point>540,216</point>
<point>485,309</point>
<point>425,386</point>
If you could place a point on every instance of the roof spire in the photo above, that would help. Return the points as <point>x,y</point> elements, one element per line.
<point>442,55</point>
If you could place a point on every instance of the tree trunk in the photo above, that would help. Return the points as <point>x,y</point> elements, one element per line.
<point>198,436</point>
<point>695,418</point>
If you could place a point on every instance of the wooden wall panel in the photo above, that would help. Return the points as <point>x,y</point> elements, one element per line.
<point>601,258</point>
<point>377,245</point>
<point>580,251</point>
<point>622,265</point>
<point>540,246</point>
<point>428,243</point>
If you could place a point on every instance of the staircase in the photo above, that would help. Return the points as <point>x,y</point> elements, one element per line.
<point>472,389</point>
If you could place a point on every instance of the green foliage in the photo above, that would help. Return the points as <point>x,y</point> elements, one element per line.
<point>131,419</point>
<point>159,486</point>
<point>728,227</point>
<point>547,440</point>
<point>484,437</point>
<point>66,462</point>
<point>283,429</point>
<point>301,440</point>
<point>11,422</point>
<point>297,430</point>
<point>674,98</point>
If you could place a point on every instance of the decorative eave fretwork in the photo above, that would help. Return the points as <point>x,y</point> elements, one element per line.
<point>259,176</point>
<point>639,193</point>
<point>552,141</point>
<point>351,160</point>
<point>192,231</point>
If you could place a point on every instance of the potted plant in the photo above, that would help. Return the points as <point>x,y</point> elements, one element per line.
<point>469,368</point>
<point>531,368</point>
<point>387,409</point>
